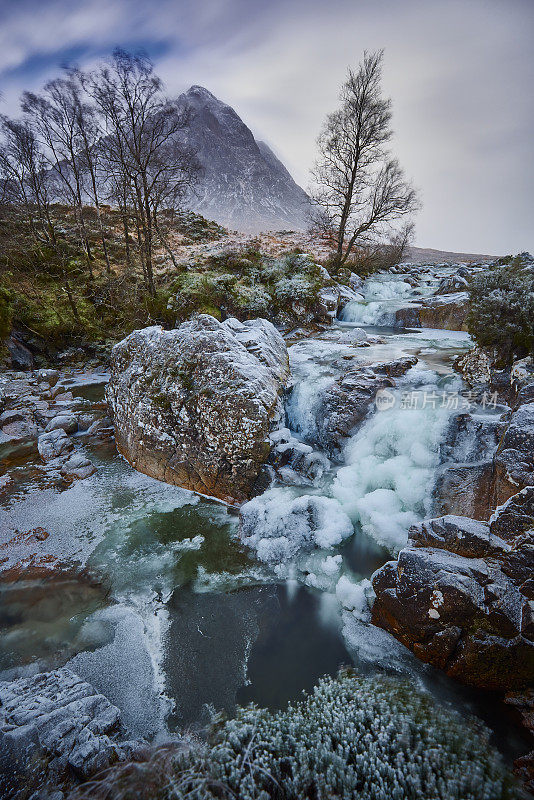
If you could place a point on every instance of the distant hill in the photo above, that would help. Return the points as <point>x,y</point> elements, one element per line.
<point>244,186</point>
<point>427,255</point>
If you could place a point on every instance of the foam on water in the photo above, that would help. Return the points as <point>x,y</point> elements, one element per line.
<point>391,461</point>
<point>382,298</point>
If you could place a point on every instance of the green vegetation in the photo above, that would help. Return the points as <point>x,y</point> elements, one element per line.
<point>370,738</point>
<point>54,292</point>
<point>501,315</point>
<point>246,284</point>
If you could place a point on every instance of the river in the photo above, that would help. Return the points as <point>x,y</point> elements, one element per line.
<point>187,619</point>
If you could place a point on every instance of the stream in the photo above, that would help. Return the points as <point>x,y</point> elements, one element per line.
<point>187,620</point>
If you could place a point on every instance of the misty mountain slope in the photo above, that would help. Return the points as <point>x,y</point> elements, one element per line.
<point>243,186</point>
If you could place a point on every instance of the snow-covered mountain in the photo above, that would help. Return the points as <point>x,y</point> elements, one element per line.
<point>243,186</point>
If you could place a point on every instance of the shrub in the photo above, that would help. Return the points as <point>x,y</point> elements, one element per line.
<point>246,283</point>
<point>352,737</point>
<point>501,313</point>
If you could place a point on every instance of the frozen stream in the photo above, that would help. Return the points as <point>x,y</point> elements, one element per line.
<point>189,618</point>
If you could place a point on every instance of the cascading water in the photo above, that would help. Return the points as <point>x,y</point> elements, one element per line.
<point>391,462</point>
<point>382,298</point>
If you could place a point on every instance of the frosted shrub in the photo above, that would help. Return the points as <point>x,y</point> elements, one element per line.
<point>502,308</point>
<point>352,737</point>
<point>248,283</point>
<point>252,298</point>
<point>373,739</point>
<point>299,288</point>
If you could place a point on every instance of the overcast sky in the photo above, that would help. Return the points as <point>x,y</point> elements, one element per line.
<point>460,74</point>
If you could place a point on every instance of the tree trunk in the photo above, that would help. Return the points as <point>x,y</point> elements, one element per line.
<point>72,302</point>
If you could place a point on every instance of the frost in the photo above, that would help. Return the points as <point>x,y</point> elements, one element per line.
<point>278,525</point>
<point>352,737</point>
<point>355,597</point>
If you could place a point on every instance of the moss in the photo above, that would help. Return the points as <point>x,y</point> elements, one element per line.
<point>161,401</point>
<point>6,312</point>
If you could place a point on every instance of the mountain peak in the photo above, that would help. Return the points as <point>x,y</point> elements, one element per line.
<point>200,91</point>
<point>243,184</point>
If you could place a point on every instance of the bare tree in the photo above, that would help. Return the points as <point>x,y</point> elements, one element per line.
<point>25,178</point>
<point>141,142</point>
<point>53,116</point>
<point>89,134</point>
<point>361,190</point>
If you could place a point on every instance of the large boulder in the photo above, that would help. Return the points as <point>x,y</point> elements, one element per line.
<point>494,459</point>
<point>194,406</point>
<point>448,312</point>
<point>461,595</point>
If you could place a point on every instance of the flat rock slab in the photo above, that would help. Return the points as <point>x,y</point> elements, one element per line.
<point>61,715</point>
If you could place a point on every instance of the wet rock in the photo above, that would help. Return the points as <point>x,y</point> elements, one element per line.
<point>346,402</point>
<point>461,535</point>
<point>194,406</point>
<point>471,438</point>
<point>61,718</point>
<point>455,283</point>
<point>66,422</point>
<point>525,395</point>
<point>522,372</point>
<point>78,467</point>
<point>466,489</point>
<point>54,444</point>
<point>457,597</point>
<point>50,376</point>
<point>355,282</point>
<point>100,429</point>
<point>295,462</point>
<point>17,425</point>
<point>395,368</point>
<point>466,485</point>
<point>448,312</point>
<point>327,304</point>
<point>344,405</point>
<point>514,460</point>
<point>21,357</point>
<point>408,317</point>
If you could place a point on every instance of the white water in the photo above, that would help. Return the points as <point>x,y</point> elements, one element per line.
<point>391,461</point>
<point>382,298</point>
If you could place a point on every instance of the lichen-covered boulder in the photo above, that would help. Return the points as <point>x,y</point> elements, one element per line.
<point>461,595</point>
<point>448,312</point>
<point>475,366</point>
<point>194,406</point>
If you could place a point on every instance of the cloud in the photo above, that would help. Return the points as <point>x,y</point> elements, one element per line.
<point>459,72</point>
